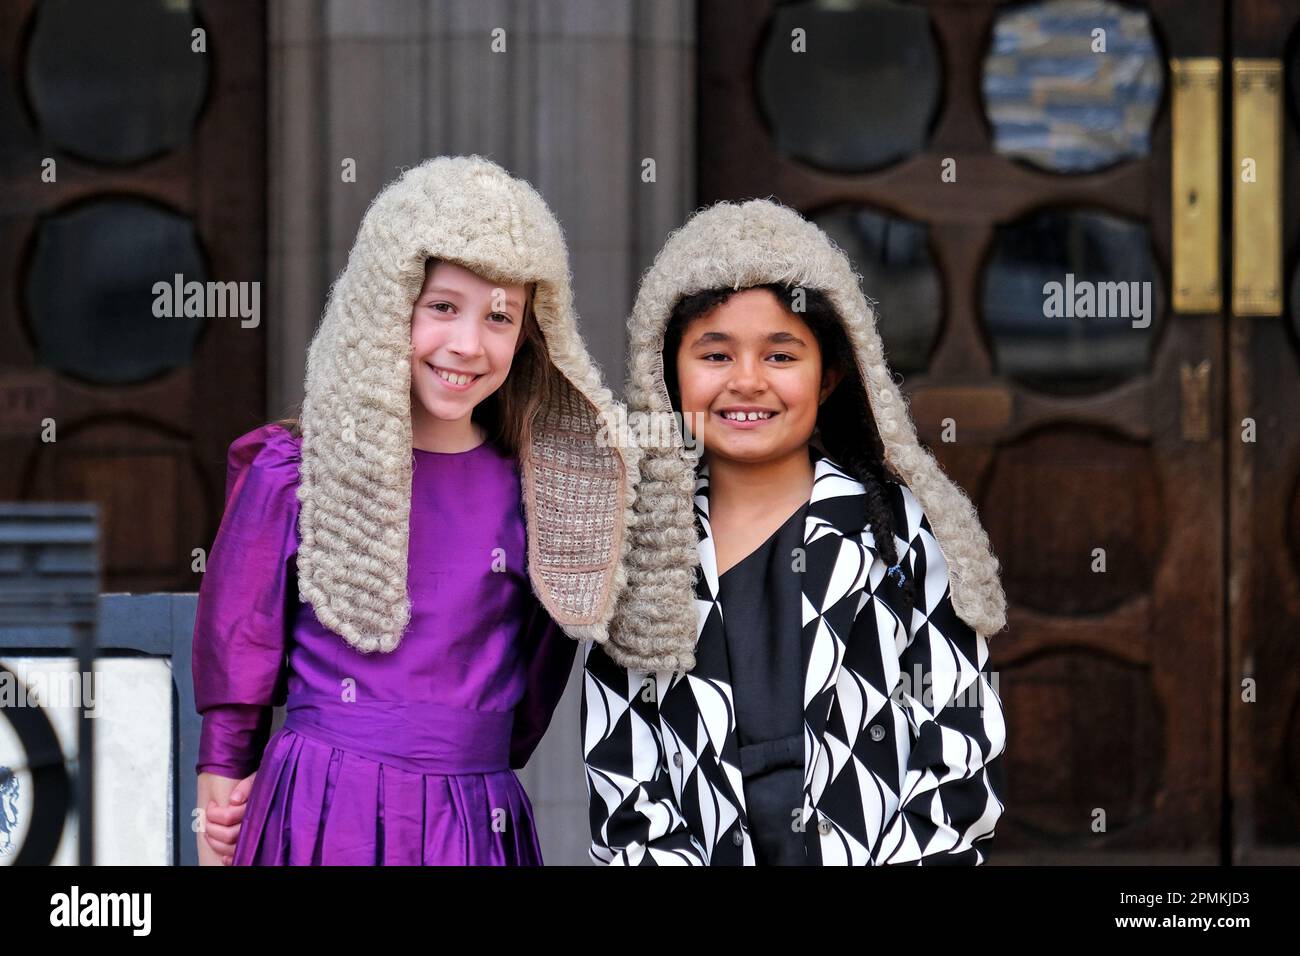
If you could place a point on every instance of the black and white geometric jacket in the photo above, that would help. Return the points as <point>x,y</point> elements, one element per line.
<point>902,727</point>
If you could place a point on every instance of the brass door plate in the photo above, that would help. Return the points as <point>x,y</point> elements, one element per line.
<point>1256,187</point>
<point>1197,92</point>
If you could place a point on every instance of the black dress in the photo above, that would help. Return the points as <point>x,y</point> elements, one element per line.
<point>762,620</point>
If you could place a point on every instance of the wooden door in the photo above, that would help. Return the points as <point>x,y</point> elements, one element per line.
<point>984,164</point>
<point>1263,431</point>
<point>132,150</point>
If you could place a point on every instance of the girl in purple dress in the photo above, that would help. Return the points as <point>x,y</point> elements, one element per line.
<point>398,567</point>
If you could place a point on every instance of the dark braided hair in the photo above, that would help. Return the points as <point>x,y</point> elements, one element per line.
<point>842,420</point>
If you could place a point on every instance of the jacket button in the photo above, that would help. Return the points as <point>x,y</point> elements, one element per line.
<point>677,759</point>
<point>824,827</point>
<point>738,838</point>
<point>877,732</point>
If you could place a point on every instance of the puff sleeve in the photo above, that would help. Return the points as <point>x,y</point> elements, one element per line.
<point>246,603</point>
<point>948,803</point>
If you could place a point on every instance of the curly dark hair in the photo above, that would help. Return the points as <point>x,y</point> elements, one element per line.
<point>842,420</point>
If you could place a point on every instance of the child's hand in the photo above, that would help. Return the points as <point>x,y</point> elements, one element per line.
<point>222,822</point>
<point>225,822</point>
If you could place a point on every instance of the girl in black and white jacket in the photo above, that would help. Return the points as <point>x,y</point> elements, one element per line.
<point>798,672</point>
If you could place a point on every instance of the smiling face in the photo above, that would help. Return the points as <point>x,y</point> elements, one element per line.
<point>465,332</point>
<point>751,355</point>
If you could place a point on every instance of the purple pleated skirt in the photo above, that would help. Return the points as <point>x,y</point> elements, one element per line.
<point>392,785</point>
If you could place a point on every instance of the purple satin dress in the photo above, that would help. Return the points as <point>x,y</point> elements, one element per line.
<point>403,758</point>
